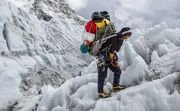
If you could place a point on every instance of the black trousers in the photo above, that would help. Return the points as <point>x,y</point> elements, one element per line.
<point>102,73</point>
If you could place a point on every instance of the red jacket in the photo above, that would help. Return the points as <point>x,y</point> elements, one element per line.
<point>91,27</point>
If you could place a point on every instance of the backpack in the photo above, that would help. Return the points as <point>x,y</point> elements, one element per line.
<point>105,28</point>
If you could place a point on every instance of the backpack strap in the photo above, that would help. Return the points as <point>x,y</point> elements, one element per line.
<point>90,27</point>
<point>104,34</point>
<point>105,23</point>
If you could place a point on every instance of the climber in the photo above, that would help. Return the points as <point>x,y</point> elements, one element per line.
<point>103,43</point>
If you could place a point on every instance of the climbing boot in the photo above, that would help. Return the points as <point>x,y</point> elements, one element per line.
<point>116,88</point>
<point>104,95</point>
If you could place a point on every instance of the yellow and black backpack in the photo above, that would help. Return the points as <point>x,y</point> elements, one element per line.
<point>105,28</point>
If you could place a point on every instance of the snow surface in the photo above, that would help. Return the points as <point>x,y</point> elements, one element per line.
<point>9,77</point>
<point>42,68</point>
<point>177,64</point>
<point>34,52</point>
<point>150,69</point>
<point>79,94</point>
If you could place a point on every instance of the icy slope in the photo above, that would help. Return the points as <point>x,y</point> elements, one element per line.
<point>79,94</point>
<point>47,9</point>
<point>150,66</point>
<point>42,50</point>
<point>35,52</point>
